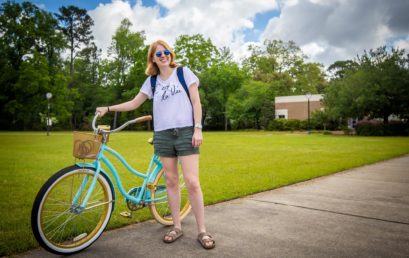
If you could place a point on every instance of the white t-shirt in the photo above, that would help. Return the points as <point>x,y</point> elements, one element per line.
<point>171,105</point>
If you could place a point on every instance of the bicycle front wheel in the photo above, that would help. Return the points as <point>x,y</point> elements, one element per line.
<point>160,207</point>
<point>59,223</point>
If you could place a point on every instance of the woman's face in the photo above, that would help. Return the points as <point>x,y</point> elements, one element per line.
<point>161,56</point>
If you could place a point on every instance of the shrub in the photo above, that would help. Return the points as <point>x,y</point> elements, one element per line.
<point>287,125</point>
<point>377,128</point>
<point>320,120</point>
<point>276,124</point>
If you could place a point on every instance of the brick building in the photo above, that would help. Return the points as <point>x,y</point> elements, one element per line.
<point>296,107</point>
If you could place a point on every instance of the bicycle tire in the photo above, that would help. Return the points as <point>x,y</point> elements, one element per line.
<point>57,225</point>
<point>160,209</point>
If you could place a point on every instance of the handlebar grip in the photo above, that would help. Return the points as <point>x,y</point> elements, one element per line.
<point>143,119</point>
<point>136,120</point>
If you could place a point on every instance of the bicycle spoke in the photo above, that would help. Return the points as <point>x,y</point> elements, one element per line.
<point>62,231</point>
<point>50,222</point>
<point>55,230</point>
<point>62,226</point>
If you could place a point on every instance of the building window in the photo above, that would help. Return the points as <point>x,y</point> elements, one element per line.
<point>282,113</point>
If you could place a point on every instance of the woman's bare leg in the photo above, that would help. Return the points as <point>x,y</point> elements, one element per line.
<point>190,168</point>
<point>170,168</point>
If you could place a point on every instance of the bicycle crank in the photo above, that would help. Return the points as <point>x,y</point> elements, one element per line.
<point>132,206</point>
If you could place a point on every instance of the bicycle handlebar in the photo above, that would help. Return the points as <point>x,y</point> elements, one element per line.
<point>133,121</point>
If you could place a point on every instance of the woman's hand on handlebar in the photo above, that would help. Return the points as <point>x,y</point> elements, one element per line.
<point>102,111</point>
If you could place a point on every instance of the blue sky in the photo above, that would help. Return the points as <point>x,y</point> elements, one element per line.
<point>260,23</point>
<point>53,5</point>
<point>326,31</point>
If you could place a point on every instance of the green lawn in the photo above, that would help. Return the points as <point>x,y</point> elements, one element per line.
<point>233,164</point>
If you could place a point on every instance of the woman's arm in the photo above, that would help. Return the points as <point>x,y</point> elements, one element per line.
<point>125,106</point>
<point>197,138</point>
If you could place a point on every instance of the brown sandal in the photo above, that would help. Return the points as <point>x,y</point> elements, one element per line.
<point>174,234</point>
<point>207,243</point>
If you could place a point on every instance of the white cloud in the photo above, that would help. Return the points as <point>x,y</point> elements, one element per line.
<point>168,3</point>
<point>41,6</point>
<point>325,30</point>
<point>108,17</point>
<point>337,30</point>
<point>402,43</point>
<point>313,49</point>
<point>223,21</point>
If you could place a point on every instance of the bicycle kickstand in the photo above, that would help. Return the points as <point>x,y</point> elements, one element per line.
<point>126,214</point>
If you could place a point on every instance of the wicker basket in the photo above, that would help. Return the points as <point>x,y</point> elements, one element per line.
<point>86,145</point>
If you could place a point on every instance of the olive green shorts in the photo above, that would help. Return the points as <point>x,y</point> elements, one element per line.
<point>174,142</point>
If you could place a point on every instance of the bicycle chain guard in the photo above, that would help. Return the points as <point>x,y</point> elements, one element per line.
<point>132,205</point>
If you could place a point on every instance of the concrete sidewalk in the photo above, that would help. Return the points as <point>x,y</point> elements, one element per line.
<point>363,212</point>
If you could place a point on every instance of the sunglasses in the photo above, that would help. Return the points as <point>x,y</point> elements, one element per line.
<point>159,53</point>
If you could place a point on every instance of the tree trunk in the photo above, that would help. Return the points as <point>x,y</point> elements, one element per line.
<point>204,115</point>
<point>225,119</point>
<point>115,117</point>
<point>385,119</point>
<point>72,59</point>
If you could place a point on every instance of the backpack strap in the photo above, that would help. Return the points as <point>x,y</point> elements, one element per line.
<point>181,78</point>
<point>153,84</point>
<point>182,81</point>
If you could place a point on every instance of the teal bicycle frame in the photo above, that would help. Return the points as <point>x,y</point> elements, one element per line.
<point>143,196</point>
<point>74,206</point>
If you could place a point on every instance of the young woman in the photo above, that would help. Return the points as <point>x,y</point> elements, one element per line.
<point>172,112</point>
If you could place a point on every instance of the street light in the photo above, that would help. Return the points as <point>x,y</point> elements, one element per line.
<point>308,95</point>
<point>48,96</point>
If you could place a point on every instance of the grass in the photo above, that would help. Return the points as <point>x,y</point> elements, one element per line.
<point>233,164</point>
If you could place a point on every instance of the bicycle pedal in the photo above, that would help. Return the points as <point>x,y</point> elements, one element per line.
<point>126,214</point>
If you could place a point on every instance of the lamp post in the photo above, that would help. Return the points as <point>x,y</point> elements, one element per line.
<point>308,95</point>
<point>48,96</point>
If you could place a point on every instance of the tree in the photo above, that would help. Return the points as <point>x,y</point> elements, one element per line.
<point>224,55</point>
<point>217,83</point>
<point>195,52</point>
<point>283,65</point>
<point>251,106</point>
<point>30,64</point>
<point>125,47</point>
<point>87,79</point>
<point>338,69</point>
<point>33,78</point>
<point>275,56</point>
<point>76,26</point>
<point>309,77</point>
<point>129,54</point>
<point>377,87</point>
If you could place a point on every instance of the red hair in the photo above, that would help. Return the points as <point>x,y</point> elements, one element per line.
<point>152,68</point>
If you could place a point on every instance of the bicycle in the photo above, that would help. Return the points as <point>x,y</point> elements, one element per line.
<point>73,207</point>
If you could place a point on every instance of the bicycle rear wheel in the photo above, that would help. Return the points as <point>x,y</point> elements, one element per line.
<point>160,209</point>
<point>63,227</point>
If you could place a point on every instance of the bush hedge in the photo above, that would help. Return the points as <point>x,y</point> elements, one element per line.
<point>363,128</point>
<point>282,124</point>
<point>377,128</point>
